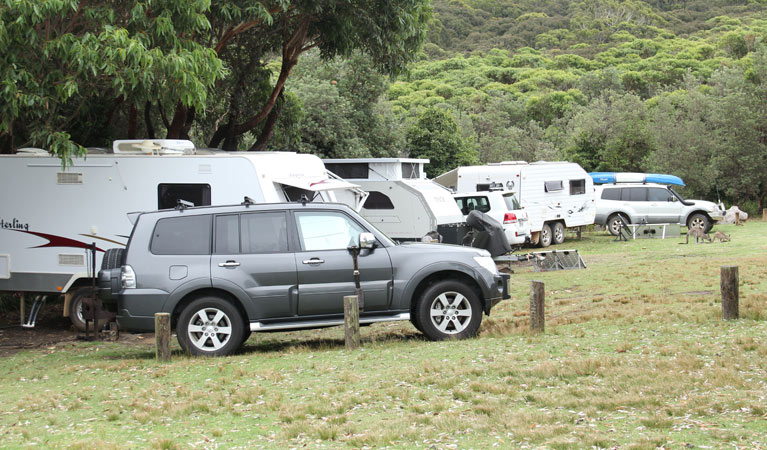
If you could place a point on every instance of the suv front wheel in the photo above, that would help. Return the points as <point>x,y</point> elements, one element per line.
<point>448,310</point>
<point>210,326</point>
<point>701,221</point>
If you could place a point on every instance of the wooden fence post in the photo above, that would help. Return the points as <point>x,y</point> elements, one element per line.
<point>729,287</point>
<point>764,215</point>
<point>162,336</point>
<point>351,322</point>
<point>537,296</point>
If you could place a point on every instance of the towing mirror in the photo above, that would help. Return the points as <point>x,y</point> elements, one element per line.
<point>367,240</point>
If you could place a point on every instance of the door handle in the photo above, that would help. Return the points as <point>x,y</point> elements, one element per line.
<point>229,264</point>
<point>313,261</point>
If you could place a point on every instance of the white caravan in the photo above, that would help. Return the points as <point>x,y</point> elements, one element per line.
<point>50,215</point>
<point>556,195</point>
<point>402,202</point>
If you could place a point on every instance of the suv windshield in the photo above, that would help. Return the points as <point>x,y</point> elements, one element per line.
<point>511,201</point>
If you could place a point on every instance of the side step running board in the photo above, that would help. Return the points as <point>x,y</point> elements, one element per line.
<point>260,326</point>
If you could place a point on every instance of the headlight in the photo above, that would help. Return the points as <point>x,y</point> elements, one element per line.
<point>487,263</point>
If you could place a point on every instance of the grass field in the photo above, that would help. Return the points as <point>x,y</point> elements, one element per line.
<point>635,355</point>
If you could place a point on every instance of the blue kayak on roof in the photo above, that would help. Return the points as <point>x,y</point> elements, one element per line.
<point>633,177</point>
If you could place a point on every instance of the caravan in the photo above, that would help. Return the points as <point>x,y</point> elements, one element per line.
<point>402,202</point>
<point>51,215</point>
<point>555,195</point>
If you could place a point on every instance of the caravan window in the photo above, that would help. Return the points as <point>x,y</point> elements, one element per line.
<point>378,200</point>
<point>551,186</point>
<point>577,187</point>
<point>168,194</point>
<point>181,236</point>
<point>411,170</point>
<point>351,170</point>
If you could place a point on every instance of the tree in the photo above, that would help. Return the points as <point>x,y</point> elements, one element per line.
<point>248,37</point>
<point>435,135</point>
<point>67,62</point>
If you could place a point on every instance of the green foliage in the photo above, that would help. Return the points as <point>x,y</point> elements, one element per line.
<point>59,57</point>
<point>435,135</point>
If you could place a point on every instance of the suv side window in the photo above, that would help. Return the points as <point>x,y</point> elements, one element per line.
<point>227,240</point>
<point>611,194</point>
<point>659,195</point>
<point>511,202</point>
<point>264,232</point>
<point>468,204</point>
<point>326,230</point>
<point>188,235</point>
<point>634,194</point>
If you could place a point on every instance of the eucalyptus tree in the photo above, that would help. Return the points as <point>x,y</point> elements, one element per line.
<point>67,65</point>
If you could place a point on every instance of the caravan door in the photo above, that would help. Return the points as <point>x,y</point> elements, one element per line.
<point>325,266</point>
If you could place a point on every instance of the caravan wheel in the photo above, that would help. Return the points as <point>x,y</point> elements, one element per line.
<point>558,233</point>
<point>545,239</point>
<point>76,311</point>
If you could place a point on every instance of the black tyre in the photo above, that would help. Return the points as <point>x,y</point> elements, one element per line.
<point>210,326</point>
<point>701,221</point>
<point>544,240</point>
<point>448,310</point>
<point>558,233</point>
<point>614,224</point>
<point>113,258</point>
<point>76,311</point>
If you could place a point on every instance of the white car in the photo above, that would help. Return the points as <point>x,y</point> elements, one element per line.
<point>502,206</point>
<point>651,203</point>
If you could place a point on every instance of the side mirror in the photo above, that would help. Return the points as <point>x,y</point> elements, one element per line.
<point>672,199</point>
<point>367,240</point>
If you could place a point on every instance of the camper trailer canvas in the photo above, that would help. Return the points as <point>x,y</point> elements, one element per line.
<point>555,195</point>
<point>51,215</point>
<point>402,202</point>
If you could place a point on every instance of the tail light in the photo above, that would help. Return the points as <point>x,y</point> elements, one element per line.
<point>509,218</point>
<point>127,277</point>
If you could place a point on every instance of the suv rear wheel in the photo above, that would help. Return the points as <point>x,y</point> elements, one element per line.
<point>210,326</point>
<point>699,220</point>
<point>448,310</point>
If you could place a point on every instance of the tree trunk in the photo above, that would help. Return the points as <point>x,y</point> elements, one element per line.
<point>271,121</point>
<point>132,122</point>
<point>190,116</point>
<point>148,120</point>
<point>179,119</point>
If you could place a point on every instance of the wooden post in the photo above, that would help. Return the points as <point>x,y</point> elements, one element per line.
<point>537,296</point>
<point>352,322</point>
<point>162,336</point>
<point>729,286</point>
<point>764,215</point>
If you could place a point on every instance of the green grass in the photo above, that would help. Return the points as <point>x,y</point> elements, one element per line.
<point>635,355</point>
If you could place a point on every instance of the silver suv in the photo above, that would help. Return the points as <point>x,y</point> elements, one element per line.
<point>651,203</point>
<point>225,271</point>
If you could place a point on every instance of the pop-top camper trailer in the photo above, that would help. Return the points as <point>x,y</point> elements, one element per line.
<point>50,215</point>
<point>402,202</point>
<point>556,195</point>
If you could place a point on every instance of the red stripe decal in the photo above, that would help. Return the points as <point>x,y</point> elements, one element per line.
<point>59,241</point>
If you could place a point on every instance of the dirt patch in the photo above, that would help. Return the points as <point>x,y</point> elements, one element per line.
<point>52,330</point>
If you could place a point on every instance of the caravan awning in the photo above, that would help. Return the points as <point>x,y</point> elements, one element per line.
<point>316,184</point>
